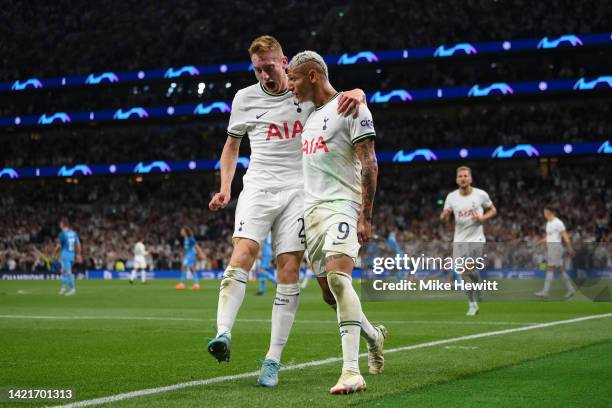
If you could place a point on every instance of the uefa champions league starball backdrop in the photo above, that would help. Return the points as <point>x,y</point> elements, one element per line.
<point>327,204</point>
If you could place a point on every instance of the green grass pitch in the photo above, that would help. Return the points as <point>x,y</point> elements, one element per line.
<point>114,338</point>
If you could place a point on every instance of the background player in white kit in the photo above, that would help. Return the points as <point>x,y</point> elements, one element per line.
<point>340,172</point>
<point>471,207</point>
<point>555,234</point>
<point>140,262</point>
<point>272,198</point>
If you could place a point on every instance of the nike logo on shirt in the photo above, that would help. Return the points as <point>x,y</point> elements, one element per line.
<point>260,115</point>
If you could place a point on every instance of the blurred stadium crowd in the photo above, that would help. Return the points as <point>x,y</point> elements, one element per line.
<point>110,214</point>
<point>125,35</point>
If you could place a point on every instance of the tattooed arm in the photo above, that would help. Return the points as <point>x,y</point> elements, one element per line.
<point>369,173</point>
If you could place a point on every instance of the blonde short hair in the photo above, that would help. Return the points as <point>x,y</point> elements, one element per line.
<point>265,43</point>
<point>460,168</point>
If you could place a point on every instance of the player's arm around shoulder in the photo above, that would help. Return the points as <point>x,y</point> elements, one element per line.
<point>369,174</point>
<point>349,101</point>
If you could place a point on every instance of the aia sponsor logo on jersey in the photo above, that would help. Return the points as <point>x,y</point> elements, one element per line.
<point>467,213</point>
<point>314,145</point>
<point>275,133</point>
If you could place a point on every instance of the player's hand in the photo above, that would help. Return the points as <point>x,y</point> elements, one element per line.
<point>445,216</point>
<point>364,229</point>
<point>219,200</point>
<point>571,252</point>
<point>349,101</point>
<point>477,218</point>
<point>79,259</point>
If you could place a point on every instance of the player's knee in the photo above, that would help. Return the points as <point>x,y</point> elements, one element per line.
<point>245,253</point>
<point>289,263</point>
<point>338,282</point>
<point>288,274</point>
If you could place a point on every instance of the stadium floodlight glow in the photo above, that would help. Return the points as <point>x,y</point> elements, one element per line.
<point>160,165</point>
<point>502,153</point>
<point>32,82</point>
<point>206,109</point>
<point>426,154</point>
<point>93,79</point>
<point>570,39</point>
<point>188,70</point>
<point>242,161</point>
<point>465,48</point>
<point>138,111</point>
<point>348,59</point>
<point>500,87</point>
<point>62,117</point>
<point>82,169</point>
<point>605,148</point>
<point>582,84</point>
<point>9,172</point>
<point>380,97</point>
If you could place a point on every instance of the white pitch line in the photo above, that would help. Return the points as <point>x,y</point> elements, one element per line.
<point>157,390</point>
<point>188,319</point>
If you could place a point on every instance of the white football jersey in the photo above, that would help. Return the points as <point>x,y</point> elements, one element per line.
<point>274,125</point>
<point>554,229</point>
<point>464,207</point>
<point>139,250</point>
<point>332,169</point>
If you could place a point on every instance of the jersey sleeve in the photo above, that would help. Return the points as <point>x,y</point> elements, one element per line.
<point>448,205</point>
<point>237,126</point>
<point>560,226</point>
<point>61,239</point>
<point>486,200</point>
<point>362,127</point>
